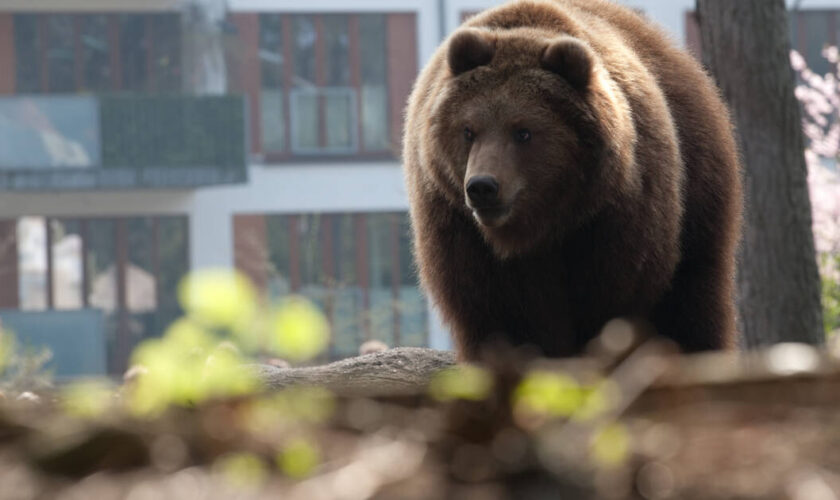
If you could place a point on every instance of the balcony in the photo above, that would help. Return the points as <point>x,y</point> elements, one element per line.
<point>121,142</point>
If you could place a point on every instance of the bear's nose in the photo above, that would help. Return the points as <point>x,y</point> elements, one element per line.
<point>483,190</point>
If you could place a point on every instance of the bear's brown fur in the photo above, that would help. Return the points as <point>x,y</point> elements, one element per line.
<point>614,183</point>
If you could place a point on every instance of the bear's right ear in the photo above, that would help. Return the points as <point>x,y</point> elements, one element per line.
<point>469,49</point>
<point>570,59</point>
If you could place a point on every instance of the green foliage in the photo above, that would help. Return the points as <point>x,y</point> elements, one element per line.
<point>186,367</point>
<point>200,357</point>
<point>242,470</point>
<point>831,292</point>
<point>610,445</point>
<point>298,459</point>
<point>22,368</point>
<point>299,331</point>
<point>87,398</point>
<point>466,382</point>
<point>7,348</point>
<point>218,298</point>
<point>547,394</point>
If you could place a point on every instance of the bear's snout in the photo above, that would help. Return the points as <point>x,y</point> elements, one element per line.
<point>483,191</point>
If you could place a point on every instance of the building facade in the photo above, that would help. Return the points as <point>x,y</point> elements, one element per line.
<point>140,139</point>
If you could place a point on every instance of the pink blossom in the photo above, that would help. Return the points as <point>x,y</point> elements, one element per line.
<point>820,98</point>
<point>797,61</point>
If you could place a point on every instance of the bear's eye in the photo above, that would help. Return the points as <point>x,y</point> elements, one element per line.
<point>523,135</point>
<point>469,135</point>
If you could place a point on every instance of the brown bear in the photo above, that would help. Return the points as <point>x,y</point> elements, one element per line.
<point>568,164</point>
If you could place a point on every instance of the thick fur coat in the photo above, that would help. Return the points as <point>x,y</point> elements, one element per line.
<point>567,164</point>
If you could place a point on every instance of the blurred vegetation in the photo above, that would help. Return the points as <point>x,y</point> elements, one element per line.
<point>23,368</point>
<point>194,410</point>
<point>831,293</point>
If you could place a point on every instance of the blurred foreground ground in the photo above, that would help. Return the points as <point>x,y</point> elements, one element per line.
<point>631,421</point>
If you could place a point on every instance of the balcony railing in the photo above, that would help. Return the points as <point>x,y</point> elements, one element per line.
<point>121,141</point>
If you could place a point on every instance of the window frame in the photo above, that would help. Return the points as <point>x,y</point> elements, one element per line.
<point>289,154</point>
<point>150,85</point>
<point>253,240</point>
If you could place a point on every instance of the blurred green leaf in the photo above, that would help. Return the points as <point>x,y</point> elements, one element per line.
<point>7,348</point>
<point>298,459</point>
<point>87,398</point>
<point>548,394</point>
<point>610,445</point>
<point>242,470</point>
<point>299,330</point>
<point>219,298</point>
<point>467,382</point>
<point>596,400</point>
<point>187,366</point>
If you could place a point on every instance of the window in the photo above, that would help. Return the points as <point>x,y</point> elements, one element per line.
<point>811,31</point>
<point>324,84</point>
<point>96,53</point>
<point>49,132</point>
<point>68,53</point>
<point>357,267</point>
<point>127,267</point>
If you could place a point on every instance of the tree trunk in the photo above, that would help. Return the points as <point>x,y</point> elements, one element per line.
<point>746,48</point>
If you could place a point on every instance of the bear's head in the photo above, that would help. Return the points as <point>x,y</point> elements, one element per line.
<point>530,135</point>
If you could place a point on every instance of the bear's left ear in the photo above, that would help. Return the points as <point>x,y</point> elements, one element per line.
<point>469,49</point>
<point>570,59</point>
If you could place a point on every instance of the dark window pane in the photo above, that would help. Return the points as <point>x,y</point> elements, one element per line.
<point>140,275</point>
<point>304,101</point>
<point>166,57</point>
<point>61,53</point>
<point>272,121</point>
<point>375,123</point>
<point>96,52</point>
<point>304,36</point>
<point>348,297</point>
<point>412,305</point>
<point>27,53</point>
<point>340,120</point>
<point>372,34</point>
<point>380,263</point>
<point>305,123</point>
<point>101,257</point>
<point>309,235</point>
<point>134,50</point>
<point>344,250</point>
<point>271,50</point>
<point>338,50</point>
<point>141,280</point>
<point>272,97</point>
<point>173,265</point>
<point>279,282</point>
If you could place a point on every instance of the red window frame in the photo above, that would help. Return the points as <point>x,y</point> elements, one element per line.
<point>251,255</point>
<point>402,67</point>
<point>114,40</point>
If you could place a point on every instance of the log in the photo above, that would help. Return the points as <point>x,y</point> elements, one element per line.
<point>403,371</point>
